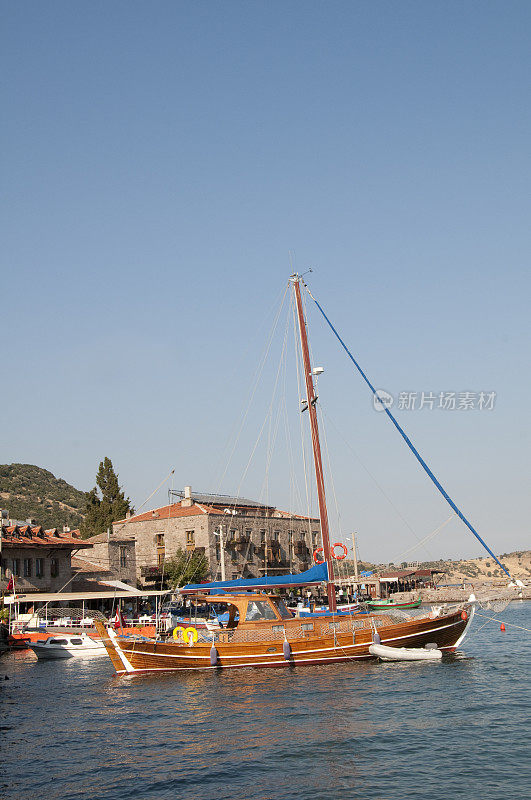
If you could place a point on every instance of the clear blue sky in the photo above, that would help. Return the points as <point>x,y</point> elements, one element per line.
<point>160,162</point>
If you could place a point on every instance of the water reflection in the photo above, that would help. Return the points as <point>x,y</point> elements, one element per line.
<point>349,731</point>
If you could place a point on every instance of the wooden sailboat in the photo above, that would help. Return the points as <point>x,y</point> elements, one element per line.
<point>262,632</point>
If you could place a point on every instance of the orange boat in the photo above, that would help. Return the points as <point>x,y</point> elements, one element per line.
<point>22,641</point>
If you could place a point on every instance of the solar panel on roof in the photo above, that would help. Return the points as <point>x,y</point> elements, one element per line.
<point>222,499</point>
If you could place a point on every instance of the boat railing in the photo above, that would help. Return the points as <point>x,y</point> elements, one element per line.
<point>305,630</point>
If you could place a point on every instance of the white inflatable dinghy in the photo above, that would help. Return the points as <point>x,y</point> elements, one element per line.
<point>404,653</point>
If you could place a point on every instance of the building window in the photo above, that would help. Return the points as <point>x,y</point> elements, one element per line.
<point>262,537</point>
<point>276,536</point>
<point>123,556</point>
<point>290,537</point>
<point>39,567</point>
<point>315,537</point>
<point>27,567</point>
<point>16,567</point>
<point>190,540</point>
<point>161,550</point>
<point>54,567</point>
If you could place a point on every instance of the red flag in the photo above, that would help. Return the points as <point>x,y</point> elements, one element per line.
<point>11,585</point>
<point>119,621</point>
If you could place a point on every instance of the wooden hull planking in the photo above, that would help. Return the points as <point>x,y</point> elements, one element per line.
<point>131,656</point>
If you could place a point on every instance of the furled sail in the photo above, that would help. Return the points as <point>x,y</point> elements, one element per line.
<point>312,577</point>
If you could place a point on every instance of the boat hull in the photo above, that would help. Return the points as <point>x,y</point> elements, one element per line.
<point>87,648</point>
<point>376,604</point>
<point>130,656</point>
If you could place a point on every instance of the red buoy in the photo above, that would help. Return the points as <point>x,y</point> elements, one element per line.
<point>502,627</point>
<point>464,615</point>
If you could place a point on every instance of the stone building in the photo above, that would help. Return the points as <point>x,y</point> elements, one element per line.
<point>111,557</point>
<point>256,539</point>
<point>39,560</point>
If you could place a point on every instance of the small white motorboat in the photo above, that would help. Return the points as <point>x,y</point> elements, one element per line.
<point>405,653</point>
<point>70,646</point>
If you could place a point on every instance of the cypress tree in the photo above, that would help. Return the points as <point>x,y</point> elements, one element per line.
<point>106,502</point>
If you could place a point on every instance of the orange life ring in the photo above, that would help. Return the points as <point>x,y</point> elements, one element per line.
<point>315,552</point>
<point>343,547</point>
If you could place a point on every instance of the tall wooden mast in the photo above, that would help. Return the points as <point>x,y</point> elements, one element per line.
<point>312,399</point>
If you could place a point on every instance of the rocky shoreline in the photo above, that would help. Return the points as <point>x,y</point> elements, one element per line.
<point>482,591</point>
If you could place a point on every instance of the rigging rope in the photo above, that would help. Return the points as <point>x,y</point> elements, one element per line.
<point>376,483</point>
<point>423,541</point>
<point>268,415</point>
<point>410,444</point>
<point>330,473</point>
<point>501,621</point>
<point>254,387</point>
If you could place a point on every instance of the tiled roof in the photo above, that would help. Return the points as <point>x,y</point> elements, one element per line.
<point>113,537</point>
<point>177,510</point>
<point>171,512</point>
<point>80,564</point>
<point>24,536</point>
<point>288,515</point>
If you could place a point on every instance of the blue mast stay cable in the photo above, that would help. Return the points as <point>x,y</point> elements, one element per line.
<point>410,443</point>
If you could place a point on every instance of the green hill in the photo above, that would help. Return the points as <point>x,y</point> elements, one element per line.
<point>27,491</point>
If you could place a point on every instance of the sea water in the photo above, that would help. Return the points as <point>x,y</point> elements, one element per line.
<point>386,731</point>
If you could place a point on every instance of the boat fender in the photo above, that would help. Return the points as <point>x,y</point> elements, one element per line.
<point>214,657</point>
<point>376,638</point>
<point>502,627</point>
<point>286,649</point>
<point>464,615</point>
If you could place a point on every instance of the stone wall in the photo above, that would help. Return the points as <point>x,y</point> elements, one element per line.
<point>108,555</point>
<point>254,545</point>
<point>29,583</point>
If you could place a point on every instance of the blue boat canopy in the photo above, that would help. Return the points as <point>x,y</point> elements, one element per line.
<point>311,577</point>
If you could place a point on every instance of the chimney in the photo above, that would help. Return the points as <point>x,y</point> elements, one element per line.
<point>187,499</point>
